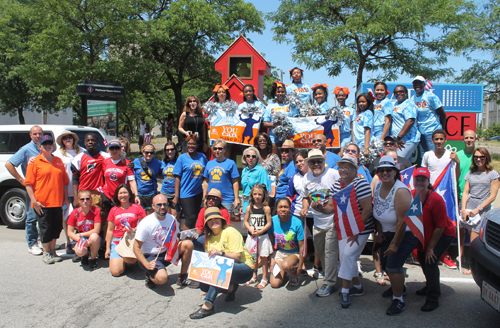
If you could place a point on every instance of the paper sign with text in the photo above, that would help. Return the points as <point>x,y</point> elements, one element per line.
<point>235,127</point>
<point>215,271</point>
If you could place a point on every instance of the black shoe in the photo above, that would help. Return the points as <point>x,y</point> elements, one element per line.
<point>183,282</point>
<point>101,252</point>
<point>93,264</point>
<point>149,283</point>
<point>202,313</point>
<point>85,260</point>
<point>231,295</point>
<point>388,293</point>
<point>396,307</point>
<point>422,291</point>
<point>429,306</point>
<point>76,259</point>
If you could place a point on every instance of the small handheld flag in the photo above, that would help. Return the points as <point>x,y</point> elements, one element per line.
<point>413,219</point>
<point>125,225</point>
<point>82,243</point>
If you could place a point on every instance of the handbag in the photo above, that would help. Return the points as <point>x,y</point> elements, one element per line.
<point>125,246</point>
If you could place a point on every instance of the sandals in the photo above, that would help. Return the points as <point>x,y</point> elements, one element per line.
<point>250,282</point>
<point>263,284</point>
<point>467,272</point>
<point>380,278</point>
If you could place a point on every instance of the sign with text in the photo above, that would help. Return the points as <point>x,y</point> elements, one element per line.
<point>306,128</point>
<point>458,123</point>
<point>235,127</point>
<point>215,271</point>
<point>101,114</point>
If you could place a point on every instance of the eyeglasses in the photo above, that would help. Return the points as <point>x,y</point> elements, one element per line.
<point>85,199</point>
<point>317,140</point>
<point>316,161</point>
<point>354,151</point>
<point>344,168</point>
<point>160,205</point>
<point>115,148</point>
<point>384,170</point>
<point>192,101</point>
<point>218,148</point>
<point>169,149</point>
<point>212,198</point>
<point>286,150</point>
<point>251,156</point>
<point>480,157</point>
<point>149,152</point>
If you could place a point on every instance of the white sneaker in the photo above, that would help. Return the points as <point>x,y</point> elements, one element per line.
<point>35,250</point>
<point>40,245</point>
<point>314,273</point>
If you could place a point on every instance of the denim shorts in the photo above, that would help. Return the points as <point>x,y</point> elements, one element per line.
<point>114,254</point>
<point>394,263</point>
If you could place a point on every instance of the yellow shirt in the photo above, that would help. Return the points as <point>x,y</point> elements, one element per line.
<point>230,241</point>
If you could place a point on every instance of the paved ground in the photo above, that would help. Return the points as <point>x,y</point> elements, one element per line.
<point>34,294</point>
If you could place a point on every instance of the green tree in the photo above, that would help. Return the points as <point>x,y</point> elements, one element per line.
<point>395,37</point>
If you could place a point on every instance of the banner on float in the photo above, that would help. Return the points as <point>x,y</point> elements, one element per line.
<point>236,127</point>
<point>306,128</point>
<point>215,271</point>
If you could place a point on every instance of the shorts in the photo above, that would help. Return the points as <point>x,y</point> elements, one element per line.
<point>147,201</point>
<point>394,263</point>
<point>160,263</point>
<point>50,223</point>
<point>114,254</point>
<point>170,197</point>
<point>281,256</point>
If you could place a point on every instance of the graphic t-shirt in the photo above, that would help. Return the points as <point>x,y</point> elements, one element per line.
<point>359,123</point>
<point>287,235</point>
<point>167,170</point>
<point>190,170</point>
<point>89,170</point>
<point>146,185</point>
<point>152,232</point>
<point>82,222</point>
<point>115,173</point>
<point>304,91</point>
<point>220,175</point>
<point>427,118</point>
<point>381,109</point>
<point>119,216</point>
<point>349,113</point>
<point>230,241</point>
<point>401,113</point>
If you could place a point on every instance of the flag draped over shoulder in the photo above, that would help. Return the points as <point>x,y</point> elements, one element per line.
<point>444,187</point>
<point>347,215</point>
<point>172,254</point>
<point>413,219</point>
<point>407,176</point>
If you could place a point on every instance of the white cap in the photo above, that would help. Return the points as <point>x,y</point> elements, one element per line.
<point>419,78</point>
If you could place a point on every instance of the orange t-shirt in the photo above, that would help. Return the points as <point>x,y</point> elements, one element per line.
<point>48,181</point>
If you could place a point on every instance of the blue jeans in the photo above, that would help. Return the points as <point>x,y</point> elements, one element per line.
<point>394,263</point>
<point>408,150</point>
<point>31,230</point>
<point>198,243</point>
<point>228,207</point>
<point>241,274</point>
<point>426,144</point>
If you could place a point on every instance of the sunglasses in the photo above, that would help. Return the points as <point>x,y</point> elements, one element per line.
<point>317,140</point>
<point>85,199</point>
<point>286,150</point>
<point>169,149</point>
<point>354,151</point>
<point>251,156</point>
<point>115,148</point>
<point>316,161</point>
<point>149,152</point>
<point>218,148</point>
<point>67,137</point>
<point>160,205</point>
<point>389,144</point>
<point>480,157</point>
<point>212,198</point>
<point>192,101</point>
<point>384,170</point>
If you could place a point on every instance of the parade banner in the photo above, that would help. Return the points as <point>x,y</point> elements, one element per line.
<point>235,127</point>
<point>215,271</point>
<point>306,128</point>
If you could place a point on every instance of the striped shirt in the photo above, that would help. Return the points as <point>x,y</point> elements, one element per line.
<point>363,191</point>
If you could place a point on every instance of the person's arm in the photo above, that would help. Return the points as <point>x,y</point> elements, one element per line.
<point>387,126</point>
<point>177,190</point>
<point>204,137</point>
<point>236,190</point>
<point>454,157</point>
<point>367,141</point>
<point>204,186</point>
<point>235,256</point>
<point>71,233</point>
<point>133,186</point>
<point>374,182</point>
<point>12,170</point>
<point>301,258</point>
<point>367,207</point>
<point>430,257</point>
<point>269,220</point>
<point>406,128</point>
<point>328,208</point>
<point>109,238</point>
<point>402,202</point>
<point>180,128</point>
<point>251,230</point>
<point>140,256</point>
<point>306,202</point>
<point>465,197</point>
<point>37,206</point>
<point>442,117</point>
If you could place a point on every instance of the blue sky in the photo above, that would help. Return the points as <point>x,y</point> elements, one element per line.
<point>280,55</point>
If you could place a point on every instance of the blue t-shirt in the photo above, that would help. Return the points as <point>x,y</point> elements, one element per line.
<point>190,170</point>
<point>286,173</point>
<point>304,91</point>
<point>145,185</point>
<point>324,107</point>
<point>23,155</point>
<point>359,123</point>
<point>381,109</point>
<point>220,175</point>
<point>332,159</point>
<point>401,113</point>
<point>167,170</point>
<point>427,118</point>
<point>364,173</point>
<point>275,107</point>
<point>287,235</point>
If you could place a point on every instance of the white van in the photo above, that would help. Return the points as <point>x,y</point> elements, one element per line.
<point>12,193</point>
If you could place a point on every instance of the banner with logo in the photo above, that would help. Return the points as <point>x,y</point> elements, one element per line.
<point>215,271</point>
<point>306,128</point>
<point>235,127</point>
<point>102,114</point>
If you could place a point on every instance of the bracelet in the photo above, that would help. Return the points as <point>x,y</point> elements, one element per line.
<point>479,208</point>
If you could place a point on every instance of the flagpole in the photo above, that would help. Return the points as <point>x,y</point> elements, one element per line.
<point>454,182</point>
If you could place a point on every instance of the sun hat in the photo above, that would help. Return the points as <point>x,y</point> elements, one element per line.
<point>288,144</point>
<point>214,192</point>
<point>315,154</point>
<point>419,78</point>
<point>349,159</point>
<point>213,213</point>
<point>422,172</point>
<point>65,133</point>
<point>387,161</point>
<point>125,247</point>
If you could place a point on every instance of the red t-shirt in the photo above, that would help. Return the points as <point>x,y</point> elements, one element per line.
<point>115,175</point>
<point>90,169</point>
<point>200,223</point>
<point>434,216</point>
<point>133,214</point>
<point>84,222</point>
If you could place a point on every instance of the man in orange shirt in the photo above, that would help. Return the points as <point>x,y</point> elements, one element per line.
<point>46,183</point>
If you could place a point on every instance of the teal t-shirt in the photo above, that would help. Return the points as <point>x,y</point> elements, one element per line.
<point>465,162</point>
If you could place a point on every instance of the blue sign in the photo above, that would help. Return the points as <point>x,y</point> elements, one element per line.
<point>455,97</point>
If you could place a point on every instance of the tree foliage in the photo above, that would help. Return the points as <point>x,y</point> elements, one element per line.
<point>395,37</point>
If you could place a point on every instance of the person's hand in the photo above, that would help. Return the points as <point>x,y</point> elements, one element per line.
<point>188,133</point>
<point>391,250</point>
<point>31,160</point>
<point>75,203</point>
<point>66,202</point>
<point>353,239</point>
<point>175,201</point>
<point>379,238</point>
<point>367,152</point>
<point>236,203</point>
<point>303,212</point>
<point>298,272</point>
<point>137,200</point>
<point>474,212</point>
<point>241,210</point>
<point>255,232</point>
<point>214,251</point>
<point>130,165</point>
<point>107,254</point>
<point>38,208</point>
<point>464,215</point>
<point>151,265</point>
<point>454,157</point>
<point>430,257</point>
<point>401,144</point>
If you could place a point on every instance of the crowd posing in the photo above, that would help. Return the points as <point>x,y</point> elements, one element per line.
<point>112,208</point>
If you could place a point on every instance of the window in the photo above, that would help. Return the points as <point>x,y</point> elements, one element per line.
<point>241,66</point>
<point>11,142</point>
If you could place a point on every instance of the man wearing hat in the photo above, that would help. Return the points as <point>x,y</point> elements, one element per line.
<point>319,142</point>
<point>430,114</point>
<point>142,131</point>
<point>390,143</point>
<point>151,246</point>
<point>289,169</point>
<point>22,157</point>
<point>317,185</point>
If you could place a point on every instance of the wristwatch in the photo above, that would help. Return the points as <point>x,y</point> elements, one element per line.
<point>399,138</point>
<point>222,253</point>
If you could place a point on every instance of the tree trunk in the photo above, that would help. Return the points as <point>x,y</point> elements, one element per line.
<point>359,78</point>
<point>21,116</point>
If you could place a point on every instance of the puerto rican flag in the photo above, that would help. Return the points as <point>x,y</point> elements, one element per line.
<point>428,85</point>
<point>171,243</point>
<point>444,187</point>
<point>347,215</point>
<point>407,177</point>
<point>125,224</point>
<point>413,219</point>
<point>82,243</point>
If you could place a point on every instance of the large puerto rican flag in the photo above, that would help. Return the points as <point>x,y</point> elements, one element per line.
<point>407,176</point>
<point>413,219</point>
<point>444,187</point>
<point>347,215</point>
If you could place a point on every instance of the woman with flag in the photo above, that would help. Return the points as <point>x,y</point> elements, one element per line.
<point>353,221</point>
<point>437,235</point>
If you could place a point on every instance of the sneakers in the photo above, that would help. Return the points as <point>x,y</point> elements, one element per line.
<point>429,306</point>
<point>345,300</point>
<point>76,259</point>
<point>448,262</point>
<point>93,264</point>
<point>396,307</point>
<point>360,269</point>
<point>85,260</point>
<point>69,249</point>
<point>55,257</point>
<point>294,281</point>
<point>356,292</point>
<point>149,283</point>
<point>304,272</point>
<point>35,250</point>
<point>325,290</point>
<point>183,282</point>
<point>47,258</point>
<point>388,293</point>
<point>321,274</point>
<point>315,273</point>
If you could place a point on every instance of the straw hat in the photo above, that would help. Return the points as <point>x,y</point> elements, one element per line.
<point>288,144</point>
<point>349,159</point>
<point>214,192</point>
<point>125,247</point>
<point>315,154</point>
<point>65,133</point>
<point>213,213</point>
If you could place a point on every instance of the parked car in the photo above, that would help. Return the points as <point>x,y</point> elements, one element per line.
<point>485,259</point>
<point>495,138</point>
<point>12,193</point>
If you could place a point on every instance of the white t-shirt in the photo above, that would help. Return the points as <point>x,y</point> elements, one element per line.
<point>435,165</point>
<point>142,129</point>
<point>323,182</point>
<point>383,208</point>
<point>152,233</point>
<point>70,154</point>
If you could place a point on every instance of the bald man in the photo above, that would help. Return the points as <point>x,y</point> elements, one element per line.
<point>319,142</point>
<point>150,249</point>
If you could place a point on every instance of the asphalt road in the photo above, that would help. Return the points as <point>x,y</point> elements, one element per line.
<point>33,294</point>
